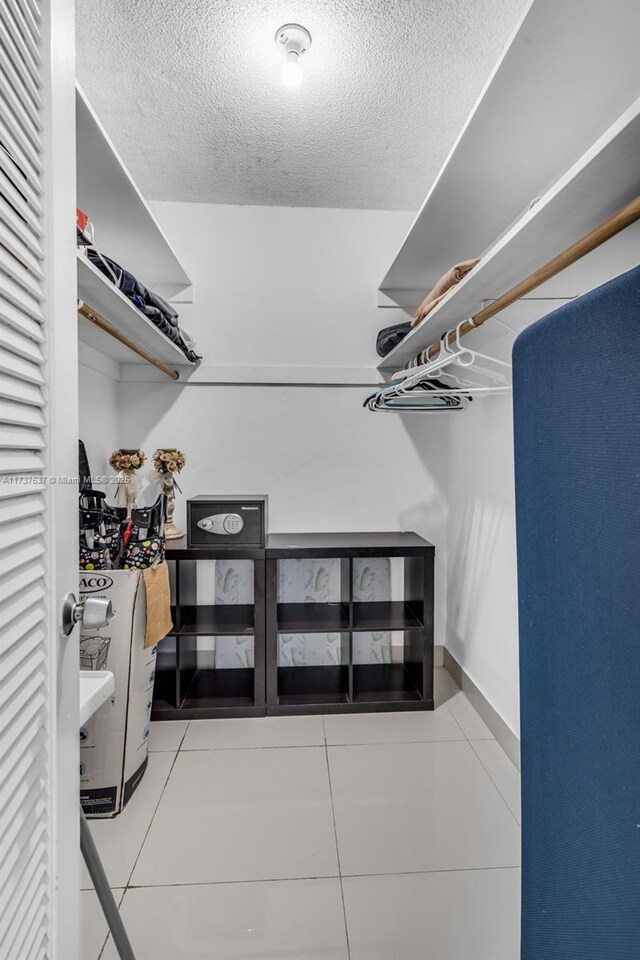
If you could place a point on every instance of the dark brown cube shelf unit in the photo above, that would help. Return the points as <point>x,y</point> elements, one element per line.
<point>189,683</point>
<point>345,683</point>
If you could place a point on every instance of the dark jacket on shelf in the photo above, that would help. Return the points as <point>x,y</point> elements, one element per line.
<point>390,337</point>
<point>154,307</point>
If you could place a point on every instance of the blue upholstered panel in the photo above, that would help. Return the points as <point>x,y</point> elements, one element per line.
<point>577,456</point>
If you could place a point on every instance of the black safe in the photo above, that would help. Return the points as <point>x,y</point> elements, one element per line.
<point>221,521</point>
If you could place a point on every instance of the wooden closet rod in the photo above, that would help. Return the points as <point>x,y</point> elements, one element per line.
<point>94,317</point>
<point>599,235</point>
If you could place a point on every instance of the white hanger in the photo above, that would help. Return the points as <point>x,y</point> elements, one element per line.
<point>483,375</point>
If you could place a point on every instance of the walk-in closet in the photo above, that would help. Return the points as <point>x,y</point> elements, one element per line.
<point>319,480</point>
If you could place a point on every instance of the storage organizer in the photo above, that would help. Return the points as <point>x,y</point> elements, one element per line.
<point>348,675</point>
<point>194,680</point>
<point>321,638</point>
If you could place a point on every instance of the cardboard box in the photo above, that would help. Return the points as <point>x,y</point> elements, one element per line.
<point>114,742</point>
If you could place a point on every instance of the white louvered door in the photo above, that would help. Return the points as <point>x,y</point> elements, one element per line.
<point>38,440</point>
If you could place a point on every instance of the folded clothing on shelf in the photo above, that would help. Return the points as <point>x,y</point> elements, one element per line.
<point>390,337</point>
<point>442,287</point>
<point>189,347</point>
<point>157,303</point>
<point>161,314</point>
<point>162,322</point>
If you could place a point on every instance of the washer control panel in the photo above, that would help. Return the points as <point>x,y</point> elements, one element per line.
<point>224,524</point>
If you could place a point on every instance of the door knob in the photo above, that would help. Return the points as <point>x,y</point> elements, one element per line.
<point>92,612</point>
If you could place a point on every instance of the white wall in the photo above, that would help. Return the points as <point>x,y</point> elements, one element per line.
<point>482,614</point>
<point>282,286</point>
<point>99,413</point>
<point>481,601</point>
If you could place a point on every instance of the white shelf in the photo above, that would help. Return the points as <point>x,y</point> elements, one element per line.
<point>568,71</point>
<point>602,181</point>
<point>125,227</point>
<point>110,303</point>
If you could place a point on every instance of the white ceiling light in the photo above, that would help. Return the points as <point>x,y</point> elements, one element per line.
<point>293,40</point>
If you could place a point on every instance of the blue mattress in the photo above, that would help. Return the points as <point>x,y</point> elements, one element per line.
<point>576,377</point>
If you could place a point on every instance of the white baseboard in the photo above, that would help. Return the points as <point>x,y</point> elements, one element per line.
<point>501,731</point>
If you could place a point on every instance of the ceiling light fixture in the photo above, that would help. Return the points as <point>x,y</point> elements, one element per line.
<point>293,40</point>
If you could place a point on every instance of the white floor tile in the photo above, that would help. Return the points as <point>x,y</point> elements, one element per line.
<point>417,807</point>
<point>463,915</point>
<point>254,732</point>
<point>242,815</point>
<point>119,840</point>
<point>469,719</point>
<point>502,771</point>
<point>94,925</point>
<point>392,727</point>
<point>297,919</point>
<point>167,735</point>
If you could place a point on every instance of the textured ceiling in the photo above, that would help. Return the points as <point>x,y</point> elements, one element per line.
<point>189,91</point>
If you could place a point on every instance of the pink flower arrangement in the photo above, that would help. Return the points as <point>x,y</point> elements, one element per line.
<point>169,461</point>
<point>127,459</point>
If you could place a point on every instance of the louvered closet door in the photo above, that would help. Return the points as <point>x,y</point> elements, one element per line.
<point>28,632</point>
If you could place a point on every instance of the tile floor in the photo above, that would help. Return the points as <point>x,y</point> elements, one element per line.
<point>370,837</point>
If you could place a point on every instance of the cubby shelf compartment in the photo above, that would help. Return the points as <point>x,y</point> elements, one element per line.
<point>311,686</point>
<point>220,690</point>
<point>187,685</point>
<point>385,683</point>
<point>332,617</point>
<point>217,620</point>
<point>312,617</point>
<point>385,615</point>
<point>346,685</point>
